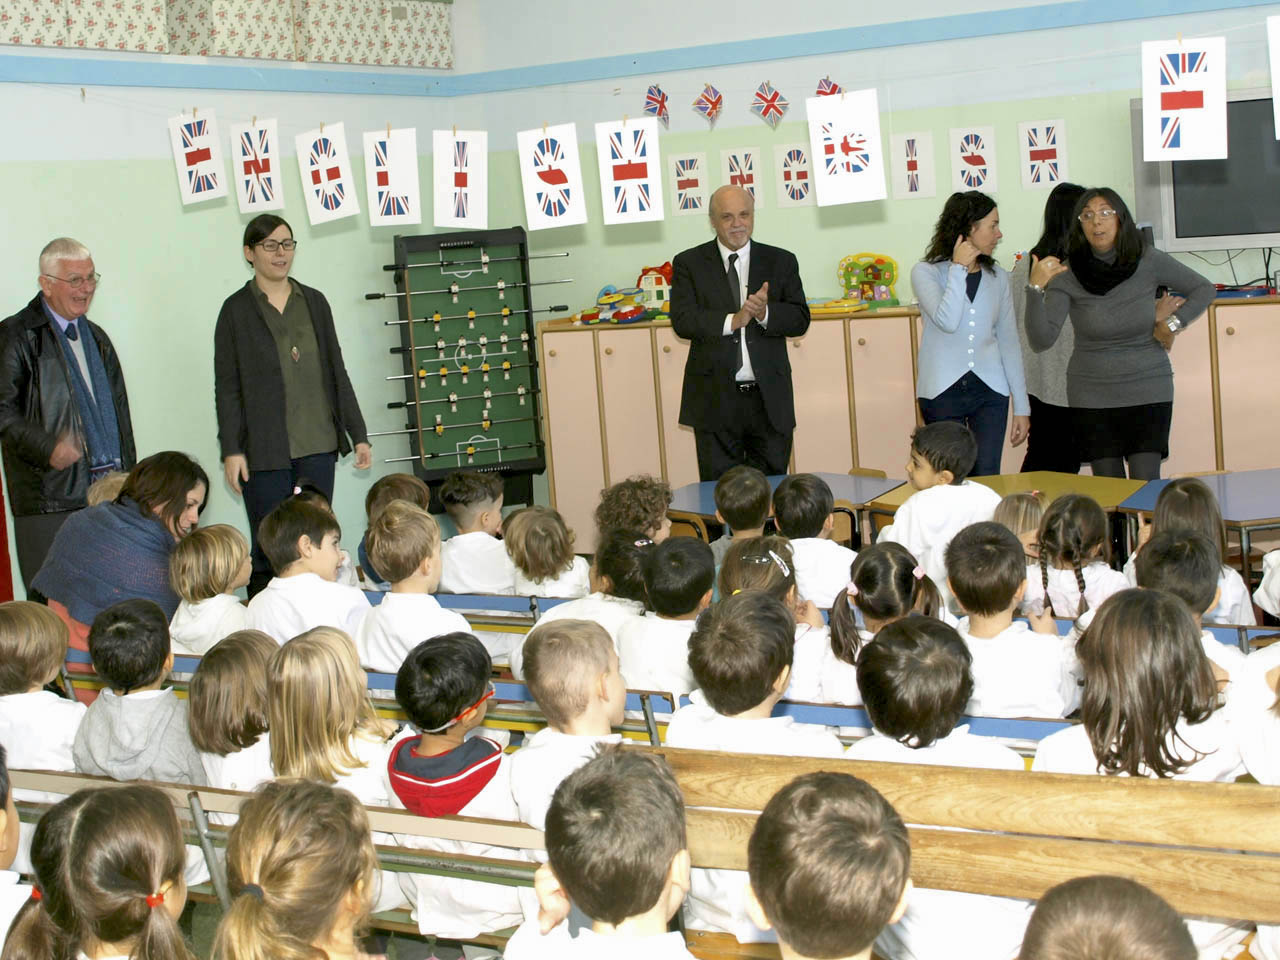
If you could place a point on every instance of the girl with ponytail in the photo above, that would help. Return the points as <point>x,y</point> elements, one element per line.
<point>301,869</point>
<point>108,866</point>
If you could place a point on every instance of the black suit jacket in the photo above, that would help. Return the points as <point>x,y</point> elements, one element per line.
<point>700,299</point>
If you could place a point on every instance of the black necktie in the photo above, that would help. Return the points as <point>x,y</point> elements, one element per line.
<point>74,334</point>
<point>734,283</point>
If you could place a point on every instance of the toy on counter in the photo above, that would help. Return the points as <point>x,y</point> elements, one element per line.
<point>645,301</point>
<point>656,284</point>
<point>869,277</point>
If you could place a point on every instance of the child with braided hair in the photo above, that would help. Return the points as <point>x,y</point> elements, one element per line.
<point>1073,574</point>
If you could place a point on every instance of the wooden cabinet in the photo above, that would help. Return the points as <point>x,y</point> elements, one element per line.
<point>884,390</point>
<point>820,379</point>
<point>628,402</point>
<point>679,452</point>
<point>571,415</point>
<point>1191,437</point>
<point>1247,341</point>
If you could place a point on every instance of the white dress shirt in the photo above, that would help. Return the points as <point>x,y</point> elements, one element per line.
<point>743,266</point>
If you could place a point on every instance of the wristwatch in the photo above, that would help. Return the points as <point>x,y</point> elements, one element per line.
<point>1174,324</point>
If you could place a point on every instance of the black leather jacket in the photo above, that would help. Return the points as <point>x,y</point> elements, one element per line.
<point>37,407</point>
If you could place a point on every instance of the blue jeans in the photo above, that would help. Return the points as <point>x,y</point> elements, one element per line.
<point>267,489</point>
<point>981,409</point>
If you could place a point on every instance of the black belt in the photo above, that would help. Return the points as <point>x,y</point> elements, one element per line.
<point>746,386</point>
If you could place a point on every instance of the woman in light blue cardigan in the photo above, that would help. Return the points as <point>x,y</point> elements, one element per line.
<point>970,359</point>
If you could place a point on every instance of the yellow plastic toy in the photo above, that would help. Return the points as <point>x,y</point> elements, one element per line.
<point>869,277</point>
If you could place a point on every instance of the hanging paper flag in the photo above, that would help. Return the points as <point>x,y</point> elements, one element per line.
<point>912,165</point>
<point>844,134</point>
<point>391,176</point>
<point>630,170</point>
<point>1184,99</point>
<point>827,87</point>
<point>552,176</point>
<point>973,158</point>
<point>740,168</point>
<point>768,104</point>
<point>795,179</point>
<point>461,178</point>
<point>708,103</point>
<point>255,166</point>
<point>688,183</point>
<point>1043,145</point>
<point>655,104</point>
<point>325,167</point>
<point>1273,46</point>
<point>197,152</point>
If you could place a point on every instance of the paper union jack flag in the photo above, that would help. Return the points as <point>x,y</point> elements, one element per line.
<point>769,104</point>
<point>742,171</point>
<point>913,166</point>
<point>1042,154</point>
<point>461,195</point>
<point>629,151</point>
<point>548,160</point>
<point>326,174</point>
<point>709,102</point>
<point>795,174</point>
<point>688,179</point>
<point>194,133</point>
<point>844,152</point>
<point>389,203</point>
<point>655,104</point>
<point>255,158</point>
<point>827,87</point>
<point>1174,67</point>
<point>974,169</point>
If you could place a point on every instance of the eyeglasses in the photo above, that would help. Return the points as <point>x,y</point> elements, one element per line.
<point>75,283</point>
<point>271,246</point>
<point>773,558</point>
<point>1090,215</point>
<point>490,690</point>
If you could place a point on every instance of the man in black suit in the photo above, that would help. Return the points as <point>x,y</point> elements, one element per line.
<point>737,302</point>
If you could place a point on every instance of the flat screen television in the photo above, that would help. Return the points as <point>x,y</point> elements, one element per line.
<point>1217,204</point>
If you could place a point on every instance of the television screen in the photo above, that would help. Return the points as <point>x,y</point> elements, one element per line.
<point>1239,195</point>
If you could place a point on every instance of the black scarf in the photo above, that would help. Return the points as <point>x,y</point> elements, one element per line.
<point>1100,276</point>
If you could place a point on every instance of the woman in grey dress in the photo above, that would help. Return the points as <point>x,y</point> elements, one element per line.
<point>1119,379</point>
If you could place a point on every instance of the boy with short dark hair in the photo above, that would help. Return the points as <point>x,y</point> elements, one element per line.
<point>803,506</point>
<point>740,654</point>
<point>475,560</point>
<point>1187,564</point>
<point>742,498</point>
<point>945,502</point>
<point>443,686</point>
<point>137,728</point>
<point>616,848</point>
<point>1106,916</point>
<point>679,574</point>
<point>12,893</point>
<point>300,539</point>
<point>830,867</point>
<point>1018,670</point>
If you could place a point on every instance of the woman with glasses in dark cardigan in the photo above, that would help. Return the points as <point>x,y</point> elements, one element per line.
<point>286,409</point>
<point>1119,379</point>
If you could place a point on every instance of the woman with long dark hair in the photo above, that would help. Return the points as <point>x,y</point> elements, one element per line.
<point>1051,445</point>
<point>1119,380</point>
<point>285,404</point>
<point>970,363</point>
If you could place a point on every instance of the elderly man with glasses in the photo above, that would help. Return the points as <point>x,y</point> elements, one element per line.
<point>64,413</point>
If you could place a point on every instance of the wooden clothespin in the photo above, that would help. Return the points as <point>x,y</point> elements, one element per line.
<point>253,121</point>
<point>544,128</point>
<point>1179,38</point>
<point>388,129</point>
<point>455,129</point>
<point>321,127</point>
<point>194,111</point>
<point>82,94</point>
<point>624,121</point>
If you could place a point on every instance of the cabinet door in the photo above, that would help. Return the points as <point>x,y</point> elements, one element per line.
<point>681,453</point>
<point>820,378</point>
<point>1248,337</point>
<point>628,403</point>
<point>572,412</point>
<point>1191,436</point>
<point>884,391</point>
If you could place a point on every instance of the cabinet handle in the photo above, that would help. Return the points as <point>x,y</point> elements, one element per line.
<point>796,344</point>
<point>862,341</point>
<point>666,349</point>
<point>1231,331</point>
<point>551,353</point>
<point>608,351</point>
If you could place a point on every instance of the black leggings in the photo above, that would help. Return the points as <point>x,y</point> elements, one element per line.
<point>1142,466</point>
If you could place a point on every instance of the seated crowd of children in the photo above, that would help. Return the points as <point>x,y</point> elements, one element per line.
<point>950,614</point>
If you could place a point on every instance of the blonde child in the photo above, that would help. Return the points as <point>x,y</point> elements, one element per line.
<point>475,561</point>
<point>1073,574</point>
<point>108,868</point>
<point>885,585</point>
<point>106,488</point>
<point>206,567</point>
<point>767,564</point>
<point>637,503</point>
<point>393,486</point>
<point>1149,709</point>
<point>1190,504</point>
<point>324,727</point>
<point>743,497</point>
<point>1105,917</point>
<point>1022,512</point>
<point>617,590</point>
<point>228,713</point>
<point>541,548</point>
<point>404,544</point>
<point>302,868</point>
<point>300,540</point>
<point>944,502</point>
<point>803,507</point>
